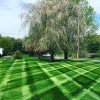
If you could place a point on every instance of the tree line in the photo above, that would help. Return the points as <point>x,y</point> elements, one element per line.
<point>10,45</point>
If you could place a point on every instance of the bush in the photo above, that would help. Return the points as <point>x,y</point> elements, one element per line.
<point>18,55</point>
<point>11,53</point>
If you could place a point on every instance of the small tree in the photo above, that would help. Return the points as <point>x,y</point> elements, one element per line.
<point>18,55</point>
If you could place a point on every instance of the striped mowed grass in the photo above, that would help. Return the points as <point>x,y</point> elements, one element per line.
<point>33,79</point>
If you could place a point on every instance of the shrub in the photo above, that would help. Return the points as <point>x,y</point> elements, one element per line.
<point>18,55</point>
<point>11,53</point>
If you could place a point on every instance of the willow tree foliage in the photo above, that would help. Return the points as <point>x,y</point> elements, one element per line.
<point>58,25</point>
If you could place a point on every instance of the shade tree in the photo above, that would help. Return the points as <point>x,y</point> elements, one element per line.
<point>58,25</point>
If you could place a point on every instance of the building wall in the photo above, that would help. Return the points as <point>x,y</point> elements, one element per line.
<point>1,51</point>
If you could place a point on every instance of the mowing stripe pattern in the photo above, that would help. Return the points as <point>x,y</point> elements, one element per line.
<point>32,79</point>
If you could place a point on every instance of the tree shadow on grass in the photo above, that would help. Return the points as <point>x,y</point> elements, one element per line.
<point>47,59</point>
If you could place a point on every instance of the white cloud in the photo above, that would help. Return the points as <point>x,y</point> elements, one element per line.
<point>11,9</point>
<point>29,1</point>
<point>9,18</point>
<point>95,4</point>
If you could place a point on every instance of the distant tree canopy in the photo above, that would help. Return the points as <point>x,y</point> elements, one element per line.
<point>58,25</point>
<point>10,44</point>
<point>6,44</point>
<point>93,43</point>
<point>17,45</point>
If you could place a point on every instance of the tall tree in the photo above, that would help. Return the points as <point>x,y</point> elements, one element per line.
<point>58,24</point>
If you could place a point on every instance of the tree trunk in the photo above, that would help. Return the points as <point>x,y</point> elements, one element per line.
<point>78,38</point>
<point>66,54</point>
<point>52,56</point>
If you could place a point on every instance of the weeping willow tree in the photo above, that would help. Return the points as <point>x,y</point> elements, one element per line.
<point>34,17</point>
<point>58,25</point>
<point>70,22</point>
<point>78,19</point>
<point>42,31</point>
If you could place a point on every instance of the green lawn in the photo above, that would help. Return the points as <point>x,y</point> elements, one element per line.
<point>32,79</point>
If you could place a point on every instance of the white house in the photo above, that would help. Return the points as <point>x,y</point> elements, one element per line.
<point>1,51</point>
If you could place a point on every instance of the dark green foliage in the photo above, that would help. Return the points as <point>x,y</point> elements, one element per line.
<point>11,53</point>
<point>17,45</point>
<point>6,44</point>
<point>93,46</point>
<point>10,45</point>
<point>18,55</point>
<point>93,43</point>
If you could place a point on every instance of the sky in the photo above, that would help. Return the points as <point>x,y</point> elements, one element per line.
<point>10,10</point>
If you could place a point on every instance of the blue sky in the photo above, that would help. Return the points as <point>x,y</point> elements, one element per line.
<point>10,10</point>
